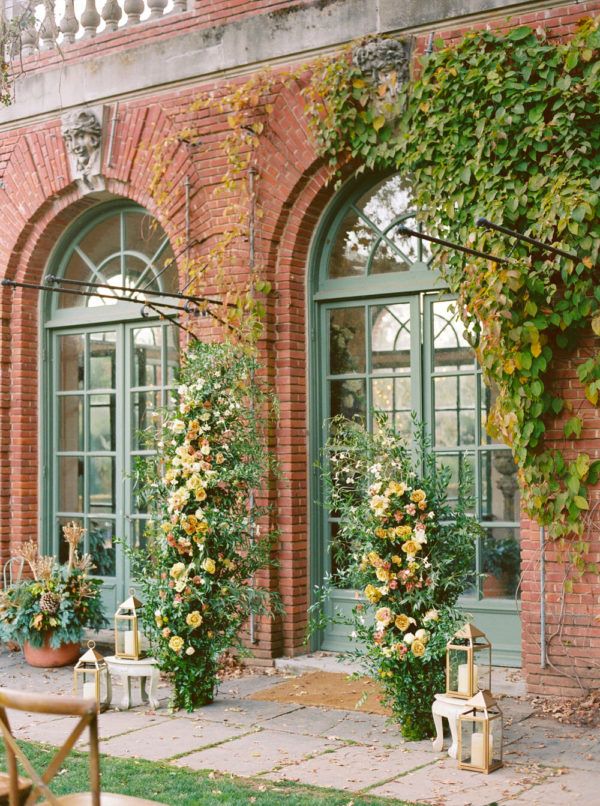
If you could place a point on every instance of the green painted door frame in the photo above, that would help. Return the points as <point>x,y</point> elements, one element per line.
<point>418,288</point>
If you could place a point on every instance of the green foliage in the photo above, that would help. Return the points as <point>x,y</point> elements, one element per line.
<point>506,127</point>
<point>409,552</point>
<point>210,460</point>
<point>56,605</point>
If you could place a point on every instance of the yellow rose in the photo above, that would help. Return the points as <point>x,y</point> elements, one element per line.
<point>395,488</point>
<point>397,560</point>
<point>219,458</point>
<point>417,648</point>
<point>372,594</point>
<point>403,531</point>
<point>208,565</point>
<point>176,643</point>
<point>382,575</point>
<point>417,496</point>
<point>373,557</point>
<point>177,570</point>
<point>402,622</point>
<point>381,533</point>
<point>194,482</point>
<point>384,615</point>
<point>193,619</point>
<point>200,494</point>
<point>411,547</point>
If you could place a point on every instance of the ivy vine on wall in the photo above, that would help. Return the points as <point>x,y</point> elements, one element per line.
<point>506,127</point>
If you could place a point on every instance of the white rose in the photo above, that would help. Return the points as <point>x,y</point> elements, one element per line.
<point>431,615</point>
<point>422,635</point>
<point>409,638</point>
<point>177,426</point>
<point>190,650</point>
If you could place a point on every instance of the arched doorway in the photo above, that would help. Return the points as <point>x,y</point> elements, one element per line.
<point>385,338</point>
<point>106,369</point>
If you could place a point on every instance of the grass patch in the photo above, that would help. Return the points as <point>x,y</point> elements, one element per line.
<point>173,785</point>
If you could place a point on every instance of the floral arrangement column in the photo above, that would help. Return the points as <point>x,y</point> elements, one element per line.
<point>408,553</point>
<point>205,545</point>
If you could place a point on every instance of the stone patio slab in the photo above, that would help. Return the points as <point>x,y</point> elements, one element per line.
<point>354,768</point>
<point>110,723</point>
<point>443,783</point>
<point>245,686</point>
<point>310,721</point>
<point>370,729</point>
<point>568,787</point>
<point>240,712</point>
<point>261,752</point>
<point>170,737</point>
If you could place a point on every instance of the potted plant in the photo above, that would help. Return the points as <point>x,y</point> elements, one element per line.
<point>47,613</point>
<point>501,565</point>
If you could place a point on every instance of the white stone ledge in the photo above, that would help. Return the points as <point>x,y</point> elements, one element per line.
<point>233,49</point>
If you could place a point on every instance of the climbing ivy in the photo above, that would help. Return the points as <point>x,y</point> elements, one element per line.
<point>506,127</point>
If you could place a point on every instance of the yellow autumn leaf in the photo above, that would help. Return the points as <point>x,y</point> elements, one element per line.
<point>509,366</point>
<point>358,83</point>
<point>536,349</point>
<point>379,122</point>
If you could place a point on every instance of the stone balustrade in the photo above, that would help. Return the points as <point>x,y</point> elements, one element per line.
<point>59,23</point>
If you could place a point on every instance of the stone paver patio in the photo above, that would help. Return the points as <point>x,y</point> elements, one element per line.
<point>546,762</point>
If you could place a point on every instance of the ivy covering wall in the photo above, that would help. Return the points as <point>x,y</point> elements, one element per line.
<point>506,127</point>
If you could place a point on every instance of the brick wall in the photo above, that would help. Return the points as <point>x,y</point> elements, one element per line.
<point>39,200</point>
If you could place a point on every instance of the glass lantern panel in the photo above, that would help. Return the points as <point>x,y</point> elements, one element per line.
<point>473,733</point>
<point>496,738</point>
<point>126,645</point>
<point>459,678</point>
<point>482,658</point>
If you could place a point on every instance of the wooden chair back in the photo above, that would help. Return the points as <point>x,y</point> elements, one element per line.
<point>85,709</point>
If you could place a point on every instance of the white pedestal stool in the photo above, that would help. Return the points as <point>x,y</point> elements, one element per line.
<point>449,708</point>
<point>127,669</point>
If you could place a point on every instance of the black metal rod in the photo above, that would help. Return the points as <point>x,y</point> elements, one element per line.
<point>416,234</point>
<point>54,290</point>
<point>52,278</point>
<point>483,222</point>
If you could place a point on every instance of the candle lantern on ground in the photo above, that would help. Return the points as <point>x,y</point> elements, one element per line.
<point>91,678</point>
<point>480,734</point>
<point>468,663</point>
<point>128,639</point>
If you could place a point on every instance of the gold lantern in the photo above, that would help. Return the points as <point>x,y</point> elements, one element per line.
<point>128,639</point>
<point>91,678</point>
<point>480,734</point>
<point>468,663</point>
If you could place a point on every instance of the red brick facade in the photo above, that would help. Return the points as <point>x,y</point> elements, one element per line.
<point>38,200</point>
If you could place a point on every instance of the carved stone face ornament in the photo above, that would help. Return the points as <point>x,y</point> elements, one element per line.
<point>382,56</point>
<point>82,134</point>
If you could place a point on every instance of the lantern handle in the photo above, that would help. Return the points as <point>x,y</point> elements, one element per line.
<point>91,644</point>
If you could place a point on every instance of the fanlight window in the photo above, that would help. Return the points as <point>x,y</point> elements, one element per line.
<point>126,251</point>
<point>368,241</point>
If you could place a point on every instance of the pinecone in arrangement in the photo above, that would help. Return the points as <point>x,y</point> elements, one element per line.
<point>49,603</point>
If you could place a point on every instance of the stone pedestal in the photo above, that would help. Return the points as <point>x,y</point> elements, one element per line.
<point>449,708</point>
<point>130,669</point>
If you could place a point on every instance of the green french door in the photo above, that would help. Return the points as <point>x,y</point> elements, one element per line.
<point>408,353</point>
<point>108,383</point>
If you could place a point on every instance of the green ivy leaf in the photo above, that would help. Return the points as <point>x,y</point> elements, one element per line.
<point>580,502</point>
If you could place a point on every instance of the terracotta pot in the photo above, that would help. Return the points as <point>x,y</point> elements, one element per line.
<point>46,656</point>
<point>495,587</point>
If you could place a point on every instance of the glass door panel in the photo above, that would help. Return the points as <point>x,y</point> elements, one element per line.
<point>86,463</point>
<point>109,386</point>
<point>459,403</point>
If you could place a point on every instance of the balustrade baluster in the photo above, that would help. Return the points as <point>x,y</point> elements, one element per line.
<point>29,36</point>
<point>133,9</point>
<point>111,14</point>
<point>69,25</point>
<point>90,19</point>
<point>48,28</point>
<point>157,8</point>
